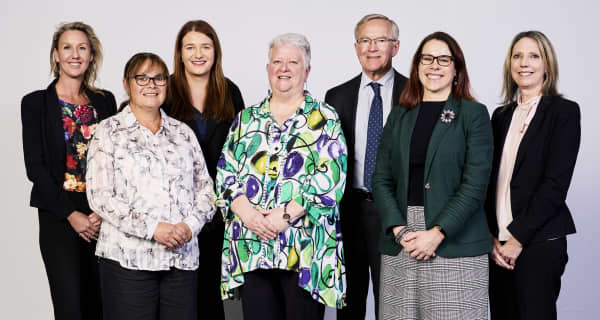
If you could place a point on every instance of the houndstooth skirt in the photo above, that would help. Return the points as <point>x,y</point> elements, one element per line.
<point>440,288</point>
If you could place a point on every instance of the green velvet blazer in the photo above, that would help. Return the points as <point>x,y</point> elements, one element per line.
<point>457,170</point>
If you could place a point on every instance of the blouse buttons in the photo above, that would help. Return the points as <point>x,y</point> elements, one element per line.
<point>427,186</point>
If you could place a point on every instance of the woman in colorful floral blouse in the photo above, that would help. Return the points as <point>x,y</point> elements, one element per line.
<point>280,179</point>
<point>58,124</point>
<point>148,180</point>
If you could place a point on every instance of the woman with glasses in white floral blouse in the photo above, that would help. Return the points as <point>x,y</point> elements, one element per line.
<point>148,181</point>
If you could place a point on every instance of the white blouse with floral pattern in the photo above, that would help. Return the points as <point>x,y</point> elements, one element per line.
<point>136,179</point>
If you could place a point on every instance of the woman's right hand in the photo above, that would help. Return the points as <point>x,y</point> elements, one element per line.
<point>82,224</point>
<point>497,257</point>
<point>253,219</point>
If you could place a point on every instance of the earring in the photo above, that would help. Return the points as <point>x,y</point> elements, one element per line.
<point>455,82</point>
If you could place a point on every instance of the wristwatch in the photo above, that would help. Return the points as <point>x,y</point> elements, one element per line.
<point>286,216</point>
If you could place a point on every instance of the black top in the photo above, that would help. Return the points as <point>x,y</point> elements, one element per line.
<point>44,146</point>
<point>543,170</point>
<point>429,115</point>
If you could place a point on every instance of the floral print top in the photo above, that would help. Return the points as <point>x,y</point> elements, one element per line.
<point>137,179</point>
<point>304,160</point>
<point>79,123</point>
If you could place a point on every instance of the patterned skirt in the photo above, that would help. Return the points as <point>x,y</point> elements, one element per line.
<point>440,288</point>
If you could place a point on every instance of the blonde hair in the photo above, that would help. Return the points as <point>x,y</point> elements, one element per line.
<point>510,87</point>
<point>90,74</point>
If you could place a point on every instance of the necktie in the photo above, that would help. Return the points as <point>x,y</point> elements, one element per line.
<point>374,131</point>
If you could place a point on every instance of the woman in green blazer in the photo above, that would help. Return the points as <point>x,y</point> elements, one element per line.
<point>429,184</point>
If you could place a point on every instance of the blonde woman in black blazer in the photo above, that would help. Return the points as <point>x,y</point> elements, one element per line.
<point>537,133</point>
<point>57,122</point>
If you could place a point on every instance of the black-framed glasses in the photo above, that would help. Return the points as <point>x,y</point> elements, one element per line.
<point>379,42</point>
<point>443,60</point>
<point>144,80</point>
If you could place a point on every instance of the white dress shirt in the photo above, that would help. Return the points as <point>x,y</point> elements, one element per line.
<point>365,98</point>
<point>136,179</point>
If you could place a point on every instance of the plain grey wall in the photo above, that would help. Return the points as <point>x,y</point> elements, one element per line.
<point>483,28</point>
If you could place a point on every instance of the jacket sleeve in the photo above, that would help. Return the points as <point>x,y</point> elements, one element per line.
<point>52,197</point>
<point>558,171</point>
<point>384,183</point>
<point>470,194</point>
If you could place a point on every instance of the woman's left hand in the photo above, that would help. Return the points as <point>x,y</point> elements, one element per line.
<point>275,216</point>
<point>511,250</point>
<point>422,244</point>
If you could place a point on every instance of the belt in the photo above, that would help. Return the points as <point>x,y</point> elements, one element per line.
<point>362,194</point>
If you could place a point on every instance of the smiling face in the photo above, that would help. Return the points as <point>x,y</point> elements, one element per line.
<point>436,80</point>
<point>197,54</point>
<point>149,96</point>
<point>527,66</point>
<point>286,70</point>
<point>376,61</point>
<point>73,54</point>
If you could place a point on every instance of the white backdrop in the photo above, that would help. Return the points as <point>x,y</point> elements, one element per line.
<point>483,28</point>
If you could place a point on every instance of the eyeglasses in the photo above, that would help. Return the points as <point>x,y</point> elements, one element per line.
<point>144,80</point>
<point>443,60</point>
<point>379,42</point>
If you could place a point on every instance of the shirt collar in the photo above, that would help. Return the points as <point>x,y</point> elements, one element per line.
<point>309,104</point>
<point>386,81</point>
<point>131,122</point>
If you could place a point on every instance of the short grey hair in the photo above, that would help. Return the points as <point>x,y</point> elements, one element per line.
<point>375,16</point>
<point>294,39</point>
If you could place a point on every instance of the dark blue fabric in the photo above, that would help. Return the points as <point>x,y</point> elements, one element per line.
<point>200,126</point>
<point>374,130</point>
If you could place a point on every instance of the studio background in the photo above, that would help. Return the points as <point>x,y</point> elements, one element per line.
<point>484,30</point>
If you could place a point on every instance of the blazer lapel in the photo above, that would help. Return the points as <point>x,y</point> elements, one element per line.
<point>532,131</point>
<point>408,121</point>
<point>352,104</point>
<point>439,131</point>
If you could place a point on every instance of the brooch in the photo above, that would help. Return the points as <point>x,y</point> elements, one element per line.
<point>447,116</point>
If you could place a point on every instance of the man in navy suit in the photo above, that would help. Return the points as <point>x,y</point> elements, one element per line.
<point>363,104</point>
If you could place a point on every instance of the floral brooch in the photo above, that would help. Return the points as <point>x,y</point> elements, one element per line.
<point>447,116</point>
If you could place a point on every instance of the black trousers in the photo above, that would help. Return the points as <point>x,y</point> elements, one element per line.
<point>71,266</point>
<point>147,295</point>
<point>530,290</point>
<point>361,229</point>
<point>210,242</point>
<point>275,295</point>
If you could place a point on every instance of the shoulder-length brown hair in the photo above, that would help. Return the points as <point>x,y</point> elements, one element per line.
<point>413,92</point>
<point>218,104</point>
<point>509,86</point>
<point>89,76</point>
<point>135,63</point>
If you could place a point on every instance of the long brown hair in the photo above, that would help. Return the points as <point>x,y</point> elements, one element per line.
<point>218,104</point>
<point>509,86</point>
<point>136,62</point>
<point>413,92</point>
<point>89,76</point>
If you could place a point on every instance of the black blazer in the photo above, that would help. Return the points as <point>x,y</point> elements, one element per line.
<point>216,132</point>
<point>542,173</point>
<point>44,146</point>
<point>344,99</point>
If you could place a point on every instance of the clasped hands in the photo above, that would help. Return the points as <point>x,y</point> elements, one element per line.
<point>87,226</point>
<point>172,236</point>
<point>421,245</point>
<point>266,224</point>
<point>505,255</point>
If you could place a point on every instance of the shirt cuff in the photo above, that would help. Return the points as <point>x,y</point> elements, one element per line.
<point>194,224</point>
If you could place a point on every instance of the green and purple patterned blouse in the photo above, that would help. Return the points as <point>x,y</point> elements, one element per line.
<point>303,160</point>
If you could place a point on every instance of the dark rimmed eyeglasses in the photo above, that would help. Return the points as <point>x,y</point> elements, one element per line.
<point>443,60</point>
<point>144,80</point>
